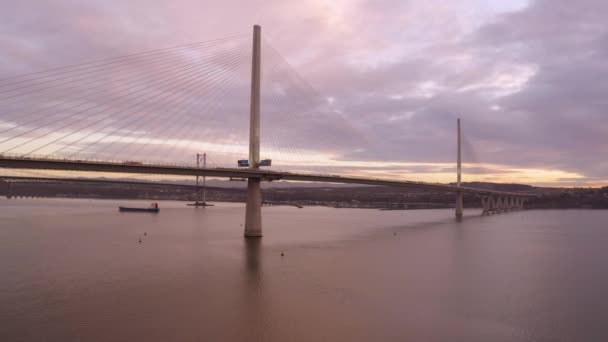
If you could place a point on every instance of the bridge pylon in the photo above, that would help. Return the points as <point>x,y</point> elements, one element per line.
<point>253,213</point>
<point>458,204</point>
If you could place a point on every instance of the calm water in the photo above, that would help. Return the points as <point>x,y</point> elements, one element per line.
<point>73,270</point>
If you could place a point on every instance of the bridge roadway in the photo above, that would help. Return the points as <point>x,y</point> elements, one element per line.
<point>267,175</point>
<point>32,179</point>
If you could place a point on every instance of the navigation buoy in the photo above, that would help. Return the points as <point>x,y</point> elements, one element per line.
<point>139,240</point>
<point>282,254</point>
<point>145,233</point>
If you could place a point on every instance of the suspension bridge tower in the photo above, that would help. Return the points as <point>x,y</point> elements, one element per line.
<point>253,214</point>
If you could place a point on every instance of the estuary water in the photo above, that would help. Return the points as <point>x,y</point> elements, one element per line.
<point>74,270</point>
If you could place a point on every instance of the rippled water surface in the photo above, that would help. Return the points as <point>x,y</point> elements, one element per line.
<point>73,270</point>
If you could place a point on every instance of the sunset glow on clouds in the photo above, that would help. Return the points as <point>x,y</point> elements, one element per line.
<point>526,77</point>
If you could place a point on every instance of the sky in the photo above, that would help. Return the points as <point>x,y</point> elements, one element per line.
<point>388,79</point>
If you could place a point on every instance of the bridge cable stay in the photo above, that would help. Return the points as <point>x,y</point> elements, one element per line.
<point>146,87</point>
<point>176,81</point>
<point>109,74</point>
<point>190,131</point>
<point>311,129</point>
<point>274,99</point>
<point>189,113</point>
<point>171,110</point>
<point>171,98</point>
<point>478,171</point>
<point>169,104</point>
<point>37,74</point>
<point>351,139</point>
<point>290,96</point>
<point>473,167</point>
<point>46,122</point>
<point>191,135</point>
<point>471,164</point>
<point>64,73</point>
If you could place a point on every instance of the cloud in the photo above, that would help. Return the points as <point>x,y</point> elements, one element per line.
<point>528,79</point>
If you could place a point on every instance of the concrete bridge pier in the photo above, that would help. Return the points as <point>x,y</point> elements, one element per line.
<point>512,203</point>
<point>485,204</point>
<point>491,205</point>
<point>495,204</point>
<point>6,187</point>
<point>520,203</point>
<point>459,210</point>
<point>498,204</point>
<point>505,204</point>
<point>253,212</point>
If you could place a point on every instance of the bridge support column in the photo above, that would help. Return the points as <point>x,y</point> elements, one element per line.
<point>492,204</point>
<point>7,187</point>
<point>500,204</point>
<point>485,204</point>
<point>520,203</point>
<point>459,210</point>
<point>253,214</point>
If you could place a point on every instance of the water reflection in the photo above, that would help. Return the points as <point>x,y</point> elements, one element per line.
<point>253,304</point>
<point>64,264</point>
<point>253,257</point>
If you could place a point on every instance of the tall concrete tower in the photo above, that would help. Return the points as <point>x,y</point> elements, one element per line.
<point>253,215</point>
<point>458,171</point>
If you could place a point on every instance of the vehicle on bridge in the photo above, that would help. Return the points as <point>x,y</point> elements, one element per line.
<point>245,162</point>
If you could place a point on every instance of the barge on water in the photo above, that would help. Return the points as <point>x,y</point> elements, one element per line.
<point>153,208</point>
<point>200,204</point>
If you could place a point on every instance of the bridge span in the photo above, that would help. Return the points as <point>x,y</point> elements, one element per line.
<point>492,200</point>
<point>263,175</point>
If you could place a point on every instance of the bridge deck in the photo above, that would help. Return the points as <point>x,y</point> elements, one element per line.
<point>118,167</point>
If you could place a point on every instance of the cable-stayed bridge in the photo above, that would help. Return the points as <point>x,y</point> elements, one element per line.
<point>147,113</point>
